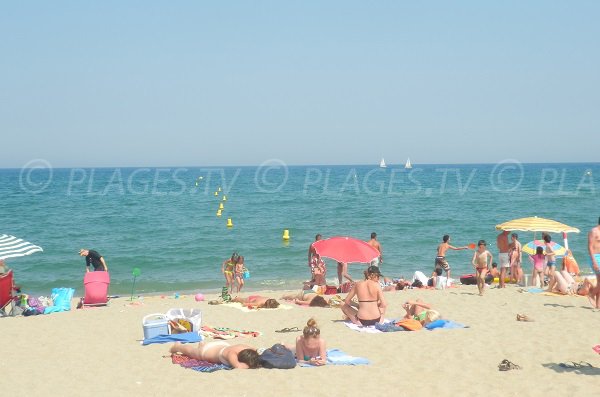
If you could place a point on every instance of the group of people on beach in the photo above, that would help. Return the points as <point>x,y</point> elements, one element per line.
<point>365,303</point>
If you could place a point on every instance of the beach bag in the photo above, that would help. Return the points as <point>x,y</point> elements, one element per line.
<point>246,274</point>
<point>277,356</point>
<point>188,319</point>
<point>330,290</point>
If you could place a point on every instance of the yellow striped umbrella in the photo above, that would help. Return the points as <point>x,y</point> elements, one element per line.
<point>535,224</point>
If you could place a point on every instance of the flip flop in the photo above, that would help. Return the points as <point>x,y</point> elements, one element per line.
<point>524,317</point>
<point>286,330</point>
<point>596,349</point>
<point>506,365</point>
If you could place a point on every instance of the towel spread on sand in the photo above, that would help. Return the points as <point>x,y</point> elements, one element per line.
<point>243,308</point>
<point>444,324</point>
<point>227,333</point>
<point>371,329</point>
<point>186,337</point>
<point>338,357</point>
<point>197,365</point>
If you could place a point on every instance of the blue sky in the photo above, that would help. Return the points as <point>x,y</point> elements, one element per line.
<point>144,83</point>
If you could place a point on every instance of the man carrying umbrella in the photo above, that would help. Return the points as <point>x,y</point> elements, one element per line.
<point>594,250</point>
<point>93,258</point>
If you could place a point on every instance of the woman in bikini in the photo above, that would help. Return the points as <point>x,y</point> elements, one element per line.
<point>310,347</point>
<point>371,303</point>
<point>257,302</point>
<point>481,264</point>
<point>227,268</point>
<point>420,311</point>
<point>307,298</point>
<point>220,352</point>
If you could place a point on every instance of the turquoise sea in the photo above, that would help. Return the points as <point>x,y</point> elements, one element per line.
<point>159,220</point>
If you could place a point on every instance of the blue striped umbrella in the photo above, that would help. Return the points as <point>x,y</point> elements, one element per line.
<point>12,247</point>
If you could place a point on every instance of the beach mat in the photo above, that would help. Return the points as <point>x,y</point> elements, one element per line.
<point>197,365</point>
<point>338,357</point>
<point>371,329</point>
<point>227,333</point>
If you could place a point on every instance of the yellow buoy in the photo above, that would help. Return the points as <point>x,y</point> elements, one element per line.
<point>221,206</point>
<point>229,223</point>
<point>286,234</point>
<point>218,212</point>
<point>216,193</point>
<point>219,189</point>
<point>224,198</point>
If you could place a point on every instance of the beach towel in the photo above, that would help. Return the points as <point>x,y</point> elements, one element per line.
<point>227,333</point>
<point>187,337</point>
<point>243,308</point>
<point>338,357</point>
<point>197,365</point>
<point>62,300</point>
<point>371,329</point>
<point>445,324</point>
<point>533,290</point>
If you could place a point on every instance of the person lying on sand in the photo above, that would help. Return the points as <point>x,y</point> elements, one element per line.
<point>420,311</point>
<point>307,298</point>
<point>220,352</point>
<point>257,302</point>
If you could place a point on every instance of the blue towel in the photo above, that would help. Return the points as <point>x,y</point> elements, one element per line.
<point>338,357</point>
<point>446,324</point>
<point>187,337</point>
<point>389,327</point>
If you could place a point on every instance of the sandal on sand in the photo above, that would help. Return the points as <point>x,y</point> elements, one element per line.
<point>506,365</point>
<point>524,317</point>
<point>572,364</point>
<point>285,330</point>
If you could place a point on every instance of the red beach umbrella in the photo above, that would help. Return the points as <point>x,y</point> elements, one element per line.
<point>346,249</point>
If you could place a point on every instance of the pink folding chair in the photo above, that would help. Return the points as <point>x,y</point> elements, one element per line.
<point>96,288</point>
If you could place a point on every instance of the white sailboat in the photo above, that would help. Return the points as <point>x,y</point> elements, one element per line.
<point>408,165</point>
<point>382,163</point>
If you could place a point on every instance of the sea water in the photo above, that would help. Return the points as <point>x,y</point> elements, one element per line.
<point>164,220</point>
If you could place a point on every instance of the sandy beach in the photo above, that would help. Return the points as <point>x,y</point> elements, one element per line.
<point>97,351</point>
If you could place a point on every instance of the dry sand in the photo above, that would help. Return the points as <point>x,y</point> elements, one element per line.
<point>97,351</point>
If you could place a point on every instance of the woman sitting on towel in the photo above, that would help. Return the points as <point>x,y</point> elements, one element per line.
<point>220,352</point>
<point>310,347</point>
<point>307,298</point>
<point>257,302</point>
<point>371,303</point>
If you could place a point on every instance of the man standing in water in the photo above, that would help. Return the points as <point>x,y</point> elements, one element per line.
<point>375,244</point>
<point>502,243</point>
<point>440,259</point>
<point>594,251</point>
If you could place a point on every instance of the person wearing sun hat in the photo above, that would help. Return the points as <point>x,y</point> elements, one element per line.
<point>371,303</point>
